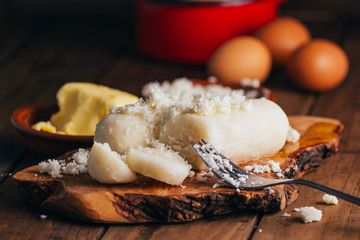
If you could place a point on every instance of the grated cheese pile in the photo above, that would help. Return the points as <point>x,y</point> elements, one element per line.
<point>271,166</point>
<point>57,168</point>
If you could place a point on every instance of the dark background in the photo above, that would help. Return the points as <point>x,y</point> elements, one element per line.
<point>309,10</point>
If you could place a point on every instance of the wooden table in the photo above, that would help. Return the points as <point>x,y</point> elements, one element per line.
<point>39,57</point>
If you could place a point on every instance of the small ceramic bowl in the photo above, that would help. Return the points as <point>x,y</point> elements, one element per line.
<point>43,142</point>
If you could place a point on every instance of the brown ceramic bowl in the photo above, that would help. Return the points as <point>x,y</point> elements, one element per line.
<point>43,142</point>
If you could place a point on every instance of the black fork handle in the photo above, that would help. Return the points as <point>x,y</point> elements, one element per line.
<point>331,191</point>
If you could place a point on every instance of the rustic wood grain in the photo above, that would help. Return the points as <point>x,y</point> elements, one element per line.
<point>233,226</point>
<point>19,220</point>
<point>147,200</point>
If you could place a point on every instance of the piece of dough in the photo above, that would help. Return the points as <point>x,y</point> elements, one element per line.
<point>240,135</point>
<point>107,166</point>
<point>122,132</point>
<point>159,163</point>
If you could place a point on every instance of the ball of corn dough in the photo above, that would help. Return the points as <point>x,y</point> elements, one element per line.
<point>122,132</point>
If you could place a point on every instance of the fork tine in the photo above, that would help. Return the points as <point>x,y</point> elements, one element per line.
<point>222,167</point>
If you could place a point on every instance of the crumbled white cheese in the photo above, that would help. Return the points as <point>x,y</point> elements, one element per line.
<point>286,215</point>
<point>81,156</point>
<point>261,168</point>
<point>73,168</point>
<point>219,184</point>
<point>247,82</point>
<point>271,191</point>
<point>56,168</point>
<point>280,175</point>
<point>212,79</point>
<point>248,168</point>
<point>293,135</point>
<point>275,166</point>
<point>297,209</point>
<point>310,214</point>
<point>204,176</point>
<point>191,173</point>
<point>43,216</point>
<point>184,88</point>
<point>182,96</point>
<point>52,167</point>
<point>271,166</point>
<point>330,199</point>
<point>260,230</point>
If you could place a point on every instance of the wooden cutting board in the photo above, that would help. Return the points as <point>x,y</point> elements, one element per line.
<point>147,200</point>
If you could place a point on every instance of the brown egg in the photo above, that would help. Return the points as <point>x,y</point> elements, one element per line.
<point>239,58</point>
<point>283,37</point>
<point>318,66</point>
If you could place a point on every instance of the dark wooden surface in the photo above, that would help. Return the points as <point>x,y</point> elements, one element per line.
<point>36,58</point>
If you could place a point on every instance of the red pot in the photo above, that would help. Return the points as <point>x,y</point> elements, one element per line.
<point>190,31</point>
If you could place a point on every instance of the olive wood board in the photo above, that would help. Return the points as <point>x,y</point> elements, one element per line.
<point>147,200</point>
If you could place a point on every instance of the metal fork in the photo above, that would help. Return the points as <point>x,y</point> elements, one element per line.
<point>233,175</point>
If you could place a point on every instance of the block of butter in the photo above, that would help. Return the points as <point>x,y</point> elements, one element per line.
<point>82,105</point>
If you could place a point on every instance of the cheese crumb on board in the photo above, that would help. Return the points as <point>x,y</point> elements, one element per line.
<point>204,176</point>
<point>310,214</point>
<point>52,167</point>
<point>271,191</point>
<point>272,166</point>
<point>56,168</point>
<point>286,215</point>
<point>81,156</point>
<point>293,135</point>
<point>330,199</point>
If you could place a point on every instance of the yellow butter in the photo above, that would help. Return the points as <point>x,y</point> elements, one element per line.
<point>45,126</point>
<point>83,105</point>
